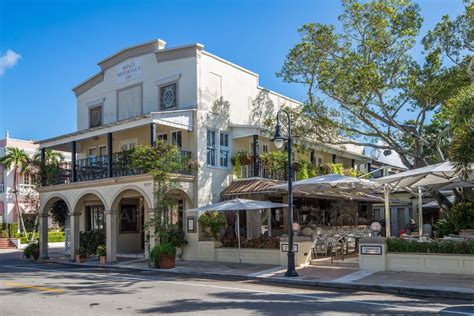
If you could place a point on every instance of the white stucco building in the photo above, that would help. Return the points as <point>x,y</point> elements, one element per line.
<point>183,95</point>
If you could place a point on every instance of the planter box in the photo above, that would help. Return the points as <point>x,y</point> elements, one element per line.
<point>431,263</point>
<point>248,255</point>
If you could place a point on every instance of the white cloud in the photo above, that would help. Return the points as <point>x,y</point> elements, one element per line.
<point>8,60</point>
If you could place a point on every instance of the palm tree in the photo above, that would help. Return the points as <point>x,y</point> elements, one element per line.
<point>50,157</point>
<point>17,160</point>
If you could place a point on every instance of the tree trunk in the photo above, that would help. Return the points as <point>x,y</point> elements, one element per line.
<point>17,204</point>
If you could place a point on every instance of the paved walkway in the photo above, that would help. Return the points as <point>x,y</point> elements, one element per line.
<point>423,284</point>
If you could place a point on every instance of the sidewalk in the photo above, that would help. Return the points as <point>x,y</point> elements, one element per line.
<point>405,283</point>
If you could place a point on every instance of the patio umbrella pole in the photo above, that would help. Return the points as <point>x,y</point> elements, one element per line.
<point>238,234</point>
<point>420,211</point>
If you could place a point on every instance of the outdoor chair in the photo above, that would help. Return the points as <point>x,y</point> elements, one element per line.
<point>319,246</point>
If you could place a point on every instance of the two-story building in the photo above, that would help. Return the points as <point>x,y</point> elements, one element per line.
<point>8,212</point>
<point>208,107</point>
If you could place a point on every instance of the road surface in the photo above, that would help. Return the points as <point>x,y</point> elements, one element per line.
<point>29,288</point>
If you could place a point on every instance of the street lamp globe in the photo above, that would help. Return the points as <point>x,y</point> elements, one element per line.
<point>278,139</point>
<point>278,143</point>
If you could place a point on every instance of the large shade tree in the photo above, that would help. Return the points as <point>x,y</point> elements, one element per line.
<point>364,87</point>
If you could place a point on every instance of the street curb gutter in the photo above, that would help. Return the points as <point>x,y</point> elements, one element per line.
<point>400,290</point>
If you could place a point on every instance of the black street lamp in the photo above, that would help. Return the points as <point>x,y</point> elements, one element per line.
<point>279,139</point>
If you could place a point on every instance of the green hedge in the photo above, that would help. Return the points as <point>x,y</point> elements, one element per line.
<point>12,230</point>
<point>452,247</point>
<point>52,237</point>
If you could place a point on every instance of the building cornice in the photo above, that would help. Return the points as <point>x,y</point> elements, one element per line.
<point>120,56</point>
<point>130,52</point>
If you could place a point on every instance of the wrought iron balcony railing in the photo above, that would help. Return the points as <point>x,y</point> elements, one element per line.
<point>96,168</point>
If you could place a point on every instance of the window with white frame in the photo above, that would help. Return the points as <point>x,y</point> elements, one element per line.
<point>92,152</point>
<point>176,139</point>
<point>224,150</point>
<point>128,144</point>
<point>102,150</point>
<point>211,148</point>
<point>163,137</point>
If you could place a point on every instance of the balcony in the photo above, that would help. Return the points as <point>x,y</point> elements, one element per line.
<point>248,171</point>
<point>96,168</point>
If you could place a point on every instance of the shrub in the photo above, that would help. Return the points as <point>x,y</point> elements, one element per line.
<point>101,252</point>
<point>214,220</point>
<point>82,252</point>
<point>460,216</point>
<point>260,242</point>
<point>452,247</point>
<point>28,251</point>
<point>90,240</point>
<point>164,248</point>
<point>175,236</point>
<point>12,230</point>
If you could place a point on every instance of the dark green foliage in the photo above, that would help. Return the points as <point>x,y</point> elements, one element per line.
<point>260,242</point>
<point>59,212</point>
<point>101,252</point>
<point>12,230</point>
<point>213,220</point>
<point>82,252</point>
<point>166,249</point>
<point>174,236</point>
<point>452,247</point>
<point>28,251</point>
<point>90,240</point>
<point>460,216</point>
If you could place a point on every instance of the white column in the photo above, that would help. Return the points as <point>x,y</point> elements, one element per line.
<point>111,235</point>
<point>43,230</point>
<point>269,219</point>
<point>150,232</point>
<point>420,211</point>
<point>387,211</point>
<point>74,226</point>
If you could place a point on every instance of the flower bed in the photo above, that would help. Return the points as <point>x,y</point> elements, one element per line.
<point>451,247</point>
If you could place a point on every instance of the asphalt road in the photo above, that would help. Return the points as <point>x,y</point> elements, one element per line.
<point>28,288</point>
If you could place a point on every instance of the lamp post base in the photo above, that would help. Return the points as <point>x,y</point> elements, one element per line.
<point>291,272</point>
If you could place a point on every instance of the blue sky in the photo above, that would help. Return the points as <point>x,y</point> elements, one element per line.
<point>60,43</point>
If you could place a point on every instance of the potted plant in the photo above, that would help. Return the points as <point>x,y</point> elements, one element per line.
<point>101,252</point>
<point>163,256</point>
<point>212,223</point>
<point>32,250</point>
<point>81,254</point>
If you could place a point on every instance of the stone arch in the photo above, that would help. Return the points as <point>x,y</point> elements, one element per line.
<point>44,207</point>
<point>90,192</point>
<point>120,192</point>
<point>186,195</point>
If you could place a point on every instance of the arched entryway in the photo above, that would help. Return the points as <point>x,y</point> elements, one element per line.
<point>89,215</point>
<point>58,204</point>
<point>130,213</point>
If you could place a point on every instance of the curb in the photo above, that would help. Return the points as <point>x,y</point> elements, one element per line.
<point>388,289</point>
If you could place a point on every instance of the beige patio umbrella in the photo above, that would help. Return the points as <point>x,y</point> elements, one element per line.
<point>238,205</point>
<point>335,182</point>
<point>429,176</point>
